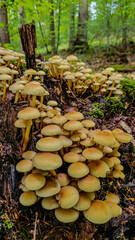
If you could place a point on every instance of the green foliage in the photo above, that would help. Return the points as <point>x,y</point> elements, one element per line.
<point>96,111</point>
<point>121,67</point>
<point>7,222</point>
<point>128,87</point>
<point>114,105</point>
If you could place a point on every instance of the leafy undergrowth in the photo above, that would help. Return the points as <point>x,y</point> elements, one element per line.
<point>25,223</point>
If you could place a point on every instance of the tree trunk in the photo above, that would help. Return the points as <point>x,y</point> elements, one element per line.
<point>29,43</point>
<point>52,29</point>
<point>81,39</point>
<point>124,37</point>
<point>4,33</point>
<point>22,21</point>
<point>58,38</point>
<point>72,26</point>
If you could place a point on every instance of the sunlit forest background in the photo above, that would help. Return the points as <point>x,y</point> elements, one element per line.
<point>59,23</point>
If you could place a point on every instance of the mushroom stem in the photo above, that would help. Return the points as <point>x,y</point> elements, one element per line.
<point>27,133</point>
<point>33,104</point>
<point>4,90</point>
<point>18,62</point>
<point>16,97</point>
<point>53,172</point>
<point>8,63</point>
<point>42,98</point>
<point>23,135</point>
<point>30,77</point>
<point>41,79</point>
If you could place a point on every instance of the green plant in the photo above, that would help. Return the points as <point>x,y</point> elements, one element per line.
<point>96,111</point>
<point>7,222</point>
<point>114,105</point>
<point>128,87</point>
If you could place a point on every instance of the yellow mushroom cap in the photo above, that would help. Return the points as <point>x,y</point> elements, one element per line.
<point>68,197</point>
<point>47,161</point>
<point>99,212</point>
<point>20,123</point>
<point>104,138</point>
<point>25,165</point>
<point>49,144</point>
<point>28,113</point>
<point>49,203</point>
<point>113,197</point>
<point>98,168</point>
<point>51,188</point>
<point>16,87</point>
<point>66,215</point>
<point>73,115</point>
<point>108,161</point>
<point>28,154</point>
<point>28,198</point>
<point>83,203</point>
<point>118,174</point>
<point>89,183</point>
<point>116,210</point>
<point>34,181</point>
<point>63,179</point>
<point>52,103</point>
<point>67,142</point>
<point>51,130</point>
<point>115,160</point>
<point>72,58</point>
<point>33,89</point>
<point>118,167</point>
<point>78,170</point>
<point>92,153</point>
<point>88,123</point>
<point>72,125</point>
<point>71,157</point>
<point>59,119</point>
<point>123,137</point>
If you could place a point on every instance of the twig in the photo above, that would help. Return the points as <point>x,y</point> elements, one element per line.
<point>35,226</point>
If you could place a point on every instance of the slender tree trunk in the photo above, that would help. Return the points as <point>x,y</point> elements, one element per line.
<point>124,37</point>
<point>52,29</point>
<point>108,35</point>
<point>22,21</point>
<point>81,38</point>
<point>4,33</point>
<point>58,38</point>
<point>72,26</point>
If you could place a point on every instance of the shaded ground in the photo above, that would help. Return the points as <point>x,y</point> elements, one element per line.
<point>25,223</point>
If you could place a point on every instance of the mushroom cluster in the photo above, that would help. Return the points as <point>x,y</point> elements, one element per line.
<point>9,65</point>
<point>65,172</point>
<point>79,78</point>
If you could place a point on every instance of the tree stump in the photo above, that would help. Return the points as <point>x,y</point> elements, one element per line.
<point>29,43</point>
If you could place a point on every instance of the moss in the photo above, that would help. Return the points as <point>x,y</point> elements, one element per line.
<point>121,67</point>
<point>96,111</point>
<point>114,105</point>
<point>128,87</point>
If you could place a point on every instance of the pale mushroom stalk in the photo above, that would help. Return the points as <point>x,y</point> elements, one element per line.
<point>33,104</point>
<point>42,98</point>
<point>16,97</point>
<point>23,135</point>
<point>4,90</point>
<point>27,133</point>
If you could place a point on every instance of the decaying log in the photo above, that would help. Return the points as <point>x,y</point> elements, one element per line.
<point>29,43</point>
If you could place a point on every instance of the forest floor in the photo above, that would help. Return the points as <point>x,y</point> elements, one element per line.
<point>25,223</point>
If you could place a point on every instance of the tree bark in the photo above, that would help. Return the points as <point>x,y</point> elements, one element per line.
<point>4,33</point>
<point>58,38</point>
<point>72,26</point>
<point>81,38</point>
<point>22,21</point>
<point>52,29</point>
<point>28,37</point>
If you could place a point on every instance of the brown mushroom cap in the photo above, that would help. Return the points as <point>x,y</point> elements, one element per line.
<point>89,183</point>
<point>51,130</point>
<point>68,197</point>
<point>25,165</point>
<point>34,181</point>
<point>78,170</point>
<point>92,153</point>
<point>99,212</point>
<point>33,89</point>
<point>113,197</point>
<point>108,161</point>
<point>83,203</point>
<point>59,119</point>
<point>98,168</point>
<point>49,144</point>
<point>47,161</point>
<point>49,203</point>
<point>66,215</point>
<point>28,198</point>
<point>67,142</point>
<point>118,174</point>
<point>51,188</point>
